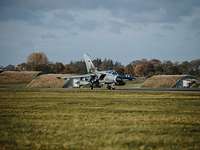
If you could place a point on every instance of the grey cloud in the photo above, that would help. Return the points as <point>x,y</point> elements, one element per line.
<point>66,14</point>
<point>48,35</point>
<point>197,35</point>
<point>141,28</point>
<point>131,10</point>
<point>117,26</point>
<point>155,11</point>
<point>63,14</point>
<point>195,24</point>
<point>159,35</point>
<point>13,13</point>
<point>168,27</point>
<point>88,25</point>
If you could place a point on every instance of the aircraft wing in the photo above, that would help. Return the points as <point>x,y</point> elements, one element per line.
<point>76,76</point>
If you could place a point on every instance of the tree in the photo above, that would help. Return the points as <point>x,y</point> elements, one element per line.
<point>195,67</point>
<point>38,61</point>
<point>97,63</point>
<point>158,69</point>
<point>77,67</point>
<point>148,69</point>
<point>10,67</point>
<point>185,67</point>
<point>170,68</point>
<point>129,69</point>
<point>37,58</point>
<point>22,67</point>
<point>58,67</point>
<point>107,64</point>
<point>139,69</point>
<point>120,70</point>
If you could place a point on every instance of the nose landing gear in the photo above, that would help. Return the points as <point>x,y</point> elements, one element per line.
<point>111,86</point>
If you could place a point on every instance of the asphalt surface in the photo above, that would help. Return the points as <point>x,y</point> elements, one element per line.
<point>125,89</point>
<point>186,90</point>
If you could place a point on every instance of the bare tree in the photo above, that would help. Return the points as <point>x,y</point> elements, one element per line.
<point>37,58</point>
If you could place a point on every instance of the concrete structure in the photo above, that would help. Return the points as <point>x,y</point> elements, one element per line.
<point>170,81</point>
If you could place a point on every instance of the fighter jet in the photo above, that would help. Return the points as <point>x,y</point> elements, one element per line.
<point>94,78</point>
<point>108,77</point>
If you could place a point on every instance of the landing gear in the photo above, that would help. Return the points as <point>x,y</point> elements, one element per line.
<point>111,86</point>
<point>91,87</point>
<point>94,82</point>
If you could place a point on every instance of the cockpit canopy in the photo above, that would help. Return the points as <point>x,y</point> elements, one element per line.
<point>112,72</point>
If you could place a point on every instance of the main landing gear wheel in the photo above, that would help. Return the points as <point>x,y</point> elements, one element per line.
<point>111,87</point>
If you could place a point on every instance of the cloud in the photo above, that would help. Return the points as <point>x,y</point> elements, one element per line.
<point>109,28</point>
<point>131,10</point>
<point>48,35</point>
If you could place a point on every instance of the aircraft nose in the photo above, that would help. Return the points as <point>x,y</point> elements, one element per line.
<point>119,80</point>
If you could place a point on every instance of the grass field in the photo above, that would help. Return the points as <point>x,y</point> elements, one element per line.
<point>111,120</point>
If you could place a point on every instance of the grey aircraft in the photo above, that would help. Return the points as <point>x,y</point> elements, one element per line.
<point>94,78</point>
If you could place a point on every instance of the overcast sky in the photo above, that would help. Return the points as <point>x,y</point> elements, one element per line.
<point>123,30</point>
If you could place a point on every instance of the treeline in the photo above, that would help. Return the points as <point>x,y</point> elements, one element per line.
<point>146,67</point>
<point>143,67</point>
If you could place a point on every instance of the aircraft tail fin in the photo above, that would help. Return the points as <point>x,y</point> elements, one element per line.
<point>89,65</point>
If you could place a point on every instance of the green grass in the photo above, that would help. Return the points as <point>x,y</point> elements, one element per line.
<point>138,83</point>
<point>13,86</point>
<point>111,120</point>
